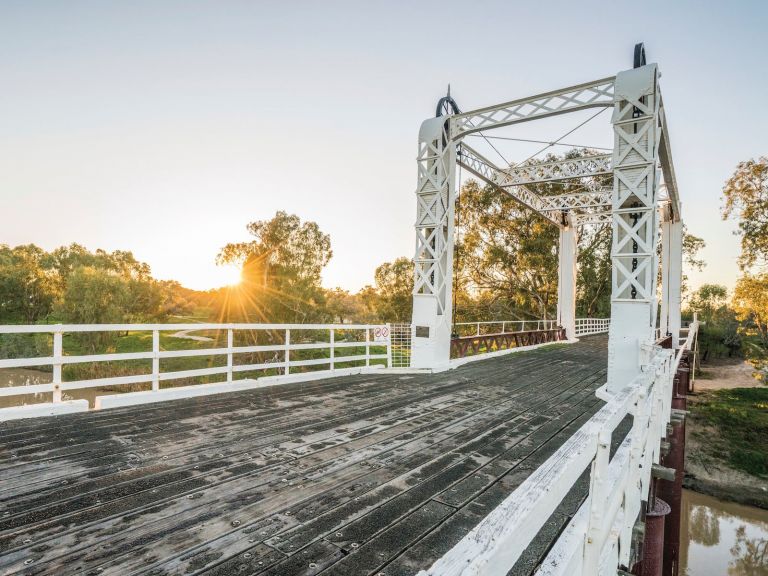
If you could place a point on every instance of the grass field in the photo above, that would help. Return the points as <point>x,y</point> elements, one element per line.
<point>740,416</point>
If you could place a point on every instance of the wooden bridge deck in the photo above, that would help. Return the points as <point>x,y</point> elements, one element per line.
<point>363,475</point>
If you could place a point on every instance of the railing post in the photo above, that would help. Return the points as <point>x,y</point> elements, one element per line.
<point>637,486</point>
<point>333,347</point>
<point>230,345</point>
<point>287,351</point>
<point>155,360</point>
<point>389,344</point>
<point>597,504</point>
<point>367,346</point>
<point>57,354</point>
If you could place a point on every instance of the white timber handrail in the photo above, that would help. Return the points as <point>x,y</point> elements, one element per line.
<point>584,326</point>
<point>598,538</point>
<point>365,337</point>
<point>588,326</point>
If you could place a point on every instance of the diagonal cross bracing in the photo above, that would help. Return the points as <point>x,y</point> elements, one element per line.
<point>598,93</point>
<point>546,206</point>
<point>487,171</point>
<point>566,169</point>
<point>594,202</point>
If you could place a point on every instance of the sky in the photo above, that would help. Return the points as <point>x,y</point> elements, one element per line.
<point>163,127</point>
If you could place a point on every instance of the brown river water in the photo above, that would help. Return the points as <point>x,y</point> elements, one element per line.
<point>718,538</point>
<point>723,539</point>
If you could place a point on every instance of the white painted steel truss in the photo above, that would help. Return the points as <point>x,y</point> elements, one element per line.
<point>564,169</point>
<point>641,155</point>
<point>584,206</point>
<point>589,95</point>
<point>639,372</point>
<point>487,171</point>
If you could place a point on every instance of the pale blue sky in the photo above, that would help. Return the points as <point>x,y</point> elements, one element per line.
<point>163,127</point>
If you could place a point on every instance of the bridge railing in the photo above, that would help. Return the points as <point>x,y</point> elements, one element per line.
<point>465,329</point>
<point>598,538</point>
<point>587,326</point>
<point>274,349</point>
<point>584,326</point>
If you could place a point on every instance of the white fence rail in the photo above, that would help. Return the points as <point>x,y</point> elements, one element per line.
<point>587,326</point>
<point>502,326</point>
<point>598,538</point>
<point>354,346</point>
<point>584,326</point>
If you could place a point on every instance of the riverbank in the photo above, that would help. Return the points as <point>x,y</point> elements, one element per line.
<point>727,435</point>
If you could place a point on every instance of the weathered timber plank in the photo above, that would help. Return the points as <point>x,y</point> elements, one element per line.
<point>361,454</point>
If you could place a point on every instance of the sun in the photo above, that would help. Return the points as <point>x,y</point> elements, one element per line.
<point>230,275</point>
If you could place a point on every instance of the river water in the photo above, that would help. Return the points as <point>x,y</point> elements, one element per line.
<point>723,539</point>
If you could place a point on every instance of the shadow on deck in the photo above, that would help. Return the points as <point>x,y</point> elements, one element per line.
<point>371,474</point>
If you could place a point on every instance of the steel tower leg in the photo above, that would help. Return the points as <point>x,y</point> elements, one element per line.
<point>433,261</point>
<point>566,282</point>
<point>671,275</point>
<point>634,221</point>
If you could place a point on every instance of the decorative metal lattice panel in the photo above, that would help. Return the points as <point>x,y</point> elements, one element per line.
<point>400,345</point>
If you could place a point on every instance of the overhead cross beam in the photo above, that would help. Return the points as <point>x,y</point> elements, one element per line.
<point>594,201</point>
<point>564,169</point>
<point>549,207</point>
<point>491,174</point>
<point>598,93</point>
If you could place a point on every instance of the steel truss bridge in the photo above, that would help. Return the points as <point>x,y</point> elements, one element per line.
<point>424,448</point>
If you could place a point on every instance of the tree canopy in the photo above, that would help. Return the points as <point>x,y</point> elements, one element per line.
<point>74,285</point>
<point>281,272</point>
<point>746,198</point>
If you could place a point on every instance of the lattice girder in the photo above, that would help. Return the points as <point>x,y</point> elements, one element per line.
<point>566,169</point>
<point>582,202</point>
<point>636,179</point>
<point>491,174</point>
<point>598,93</point>
<point>434,214</point>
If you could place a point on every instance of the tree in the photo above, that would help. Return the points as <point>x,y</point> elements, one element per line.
<point>692,245</point>
<point>506,252</point>
<point>394,291</point>
<point>343,307</point>
<point>281,272</point>
<point>708,300</point>
<point>746,197</point>
<point>750,299</point>
<point>593,297</point>
<point>95,296</point>
<point>27,290</point>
